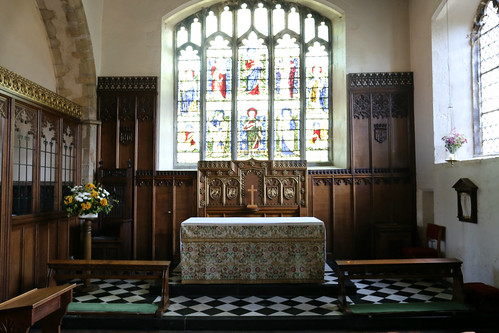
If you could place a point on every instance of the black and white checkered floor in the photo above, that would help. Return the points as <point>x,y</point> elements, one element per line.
<point>368,291</point>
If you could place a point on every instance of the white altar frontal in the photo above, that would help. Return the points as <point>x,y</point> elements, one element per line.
<point>252,250</point>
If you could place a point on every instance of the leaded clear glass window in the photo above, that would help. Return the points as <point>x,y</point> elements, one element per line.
<point>486,42</point>
<point>253,81</point>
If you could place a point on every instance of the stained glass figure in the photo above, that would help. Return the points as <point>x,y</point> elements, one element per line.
<point>253,74</point>
<point>287,66</point>
<point>288,139</point>
<point>252,136</point>
<point>218,135</point>
<point>317,140</point>
<point>219,66</point>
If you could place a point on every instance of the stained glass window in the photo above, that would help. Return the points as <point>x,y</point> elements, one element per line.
<point>250,85</point>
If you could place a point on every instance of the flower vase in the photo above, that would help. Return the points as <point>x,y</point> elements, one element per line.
<point>88,216</point>
<point>452,155</point>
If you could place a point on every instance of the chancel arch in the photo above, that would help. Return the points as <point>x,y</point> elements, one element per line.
<point>71,48</point>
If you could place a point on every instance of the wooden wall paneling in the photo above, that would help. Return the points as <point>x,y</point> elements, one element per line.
<point>401,131</point>
<point>108,108</point>
<point>360,129</point>
<point>321,206</point>
<point>185,189</point>
<point>381,158</point>
<point>382,196</point>
<point>54,241</point>
<point>143,244</point>
<point>381,107</point>
<point>403,200</point>
<point>72,243</point>
<point>28,256</point>
<point>146,142</point>
<point>343,221</point>
<point>42,251</point>
<point>129,103</point>
<point>145,152</point>
<point>363,212</point>
<point>127,131</point>
<point>163,218</point>
<point>15,262</point>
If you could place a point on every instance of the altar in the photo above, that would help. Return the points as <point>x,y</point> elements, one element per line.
<point>252,250</point>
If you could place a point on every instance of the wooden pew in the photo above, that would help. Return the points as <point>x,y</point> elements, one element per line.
<point>47,305</point>
<point>431,268</point>
<point>113,269</point>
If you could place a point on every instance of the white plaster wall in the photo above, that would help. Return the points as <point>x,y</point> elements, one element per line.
<point>377,35</point>
<point>475,244</point>
<point>131,36</point>
<point>23,43</point>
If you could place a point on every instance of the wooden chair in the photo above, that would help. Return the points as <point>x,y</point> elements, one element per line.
<point>112,233</point>
<point>434,233</point>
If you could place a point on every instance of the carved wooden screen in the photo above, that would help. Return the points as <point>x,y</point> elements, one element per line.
<point>252,188</point>
<point>24,150</point>
<point>35,126</point>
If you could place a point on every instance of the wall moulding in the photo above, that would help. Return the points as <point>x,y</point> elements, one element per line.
<point>128,83</point>
<point>21,86</point>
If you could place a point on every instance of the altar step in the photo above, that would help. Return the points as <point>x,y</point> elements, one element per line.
<point>244,290</point>
<point>328,288</point>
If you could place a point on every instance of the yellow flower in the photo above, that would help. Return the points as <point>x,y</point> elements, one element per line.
<point>103,202</point>
<point>90,186</point>
<point>94,193</point>
<point>85,205</point>
<point>69,199</point>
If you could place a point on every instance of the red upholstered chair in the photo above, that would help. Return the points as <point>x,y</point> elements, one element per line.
<point>434,234</point>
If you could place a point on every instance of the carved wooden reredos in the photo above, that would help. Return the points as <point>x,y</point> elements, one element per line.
<point>252,188</point>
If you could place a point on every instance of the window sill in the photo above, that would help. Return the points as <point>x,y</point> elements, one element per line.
<point>470,161</point>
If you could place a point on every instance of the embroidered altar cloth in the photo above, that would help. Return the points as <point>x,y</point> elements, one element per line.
<point>252,250</point>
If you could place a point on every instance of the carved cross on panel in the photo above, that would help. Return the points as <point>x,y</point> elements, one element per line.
<point>252,191</point>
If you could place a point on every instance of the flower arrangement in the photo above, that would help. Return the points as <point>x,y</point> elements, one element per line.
<point>88,199</point>
<point>453,141</point>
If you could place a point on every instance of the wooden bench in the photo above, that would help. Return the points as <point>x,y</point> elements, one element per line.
<point>47,305</point>
<point>434,268</point>
<point>63,270</point>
